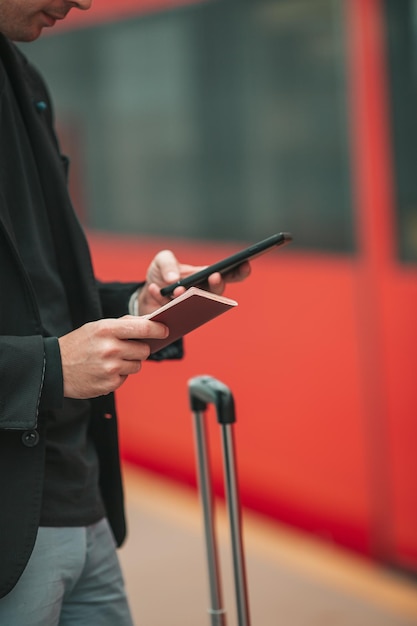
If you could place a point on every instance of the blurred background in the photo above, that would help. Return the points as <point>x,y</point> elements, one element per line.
<point>204,126</point>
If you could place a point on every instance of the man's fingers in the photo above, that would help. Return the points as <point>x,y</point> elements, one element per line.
<point>132,327</point>
<point>238,273</point>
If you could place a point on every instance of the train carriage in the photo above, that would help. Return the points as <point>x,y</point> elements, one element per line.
<point>205,126</point>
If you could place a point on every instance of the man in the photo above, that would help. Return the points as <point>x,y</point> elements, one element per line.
<point>67,342</point>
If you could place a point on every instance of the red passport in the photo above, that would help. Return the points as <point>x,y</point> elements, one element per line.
<point>187,312</point>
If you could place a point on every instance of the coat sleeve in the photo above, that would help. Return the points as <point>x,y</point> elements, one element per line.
<point>115,297</point>
<point>22,367</point>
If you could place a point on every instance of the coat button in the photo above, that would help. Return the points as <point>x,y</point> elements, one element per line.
<point>30,438</point>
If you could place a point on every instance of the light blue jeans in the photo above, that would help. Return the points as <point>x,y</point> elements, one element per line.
<point>73,578</point>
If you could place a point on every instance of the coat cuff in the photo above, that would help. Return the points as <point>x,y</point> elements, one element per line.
<point>53,383</point>
<point>171,352</point>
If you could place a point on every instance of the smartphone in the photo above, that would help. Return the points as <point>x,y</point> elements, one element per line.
<point>225,265</point>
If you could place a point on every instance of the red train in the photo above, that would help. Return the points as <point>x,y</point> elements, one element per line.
<point>321,352</point>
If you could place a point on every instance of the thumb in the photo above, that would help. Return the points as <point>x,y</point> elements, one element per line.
<point>168,266</point>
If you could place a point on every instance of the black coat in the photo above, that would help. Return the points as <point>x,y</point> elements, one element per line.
<point>22,353</point>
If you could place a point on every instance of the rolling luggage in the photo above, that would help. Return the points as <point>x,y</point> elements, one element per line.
<point>204,390</point>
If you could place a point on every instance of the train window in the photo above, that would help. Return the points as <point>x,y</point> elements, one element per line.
<point>401,29</point>
<point>219,120</point>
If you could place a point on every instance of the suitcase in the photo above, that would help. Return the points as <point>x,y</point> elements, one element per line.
<point>204,390</point>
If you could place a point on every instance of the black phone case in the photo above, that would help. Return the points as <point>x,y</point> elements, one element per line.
<point>227,264</point>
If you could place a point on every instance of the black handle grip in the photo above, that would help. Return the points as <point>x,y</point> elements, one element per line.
<point>205,390</point>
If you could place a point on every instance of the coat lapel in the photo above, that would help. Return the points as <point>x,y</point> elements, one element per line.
<point>72,251</point>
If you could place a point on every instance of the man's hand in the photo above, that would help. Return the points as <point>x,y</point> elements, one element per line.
<point>99,356</point>
<point>165,269</point>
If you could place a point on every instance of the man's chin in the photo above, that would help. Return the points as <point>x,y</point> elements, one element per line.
<point>28,30</point>
<point>27,35</point>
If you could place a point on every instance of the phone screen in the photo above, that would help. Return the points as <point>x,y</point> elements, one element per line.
<point>226,265</point>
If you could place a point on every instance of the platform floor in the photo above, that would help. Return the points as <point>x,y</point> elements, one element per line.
<point>293,579</point>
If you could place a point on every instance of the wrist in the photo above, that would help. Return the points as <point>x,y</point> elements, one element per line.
<point>134,303</point>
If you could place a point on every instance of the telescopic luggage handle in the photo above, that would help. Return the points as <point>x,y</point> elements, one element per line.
<point>204,390</point>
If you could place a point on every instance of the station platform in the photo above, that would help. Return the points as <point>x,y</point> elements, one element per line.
<point>293,579</point>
